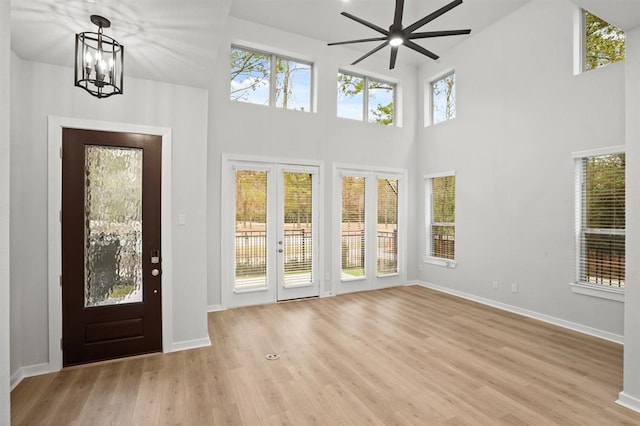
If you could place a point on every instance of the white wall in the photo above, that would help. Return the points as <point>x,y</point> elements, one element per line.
<point>5,68</point>
<point>40,90</point>
<point>520,114</point>
<point>244,129</point>
<point>631,392</point>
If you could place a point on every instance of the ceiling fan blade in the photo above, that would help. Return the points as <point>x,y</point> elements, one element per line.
<point>365,23</point>
<point>369,53</point>
<point>362,40</point>
<point>420,49</point>
<point>397,18</point>
<point>411,28</point>
<point>394,54</point>
<point>437,34</point>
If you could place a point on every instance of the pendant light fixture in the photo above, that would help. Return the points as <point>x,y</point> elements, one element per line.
<point>99,61</point>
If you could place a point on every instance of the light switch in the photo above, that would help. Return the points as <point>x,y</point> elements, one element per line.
<point>182,219</point>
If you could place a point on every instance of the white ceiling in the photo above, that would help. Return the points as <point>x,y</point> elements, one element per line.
<point>166,40</point>
<point>177,40</point>
<point>321,19</point>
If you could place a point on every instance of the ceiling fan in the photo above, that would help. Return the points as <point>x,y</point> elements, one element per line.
<point>397,35</point>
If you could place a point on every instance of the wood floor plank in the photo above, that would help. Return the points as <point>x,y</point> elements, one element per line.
<point>399,356</point>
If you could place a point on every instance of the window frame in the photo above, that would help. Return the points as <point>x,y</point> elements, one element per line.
<point>273,60</point>
<point>577,286</point>
<point>365,97</point>
<point>427,257</point>
<point>430,119</point>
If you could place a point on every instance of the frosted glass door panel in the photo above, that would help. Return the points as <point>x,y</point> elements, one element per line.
<point>113,225</point>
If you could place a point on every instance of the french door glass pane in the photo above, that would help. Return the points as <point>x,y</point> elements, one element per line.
<point>353,226</point>
<point>387,230</point>
<point>113,225</point>
<point>251,229</point>
<point>298,235</point>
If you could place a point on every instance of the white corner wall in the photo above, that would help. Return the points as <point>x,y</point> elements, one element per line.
<point>521,112</point>
<point>40,91</point>
<point>630,396</point>
<point>242,129</point>
<point>5,68</point>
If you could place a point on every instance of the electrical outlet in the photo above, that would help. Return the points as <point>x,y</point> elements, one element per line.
<point>495,285</point>
<point>514,288</point>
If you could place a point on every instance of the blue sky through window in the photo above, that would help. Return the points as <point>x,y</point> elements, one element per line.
<point>443,98</point>
<point>252,80</point>
<point>350,105</point>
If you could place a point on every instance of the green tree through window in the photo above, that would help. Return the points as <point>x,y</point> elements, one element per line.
<point>354,91</point>
<point>443,99</point>
<point>252,78</point>
<point>604,43</point>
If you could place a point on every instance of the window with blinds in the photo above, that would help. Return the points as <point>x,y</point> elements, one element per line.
<point>387,229</point>
<point>353,227</point>
<point>441,216</point>
<point>600,216</point>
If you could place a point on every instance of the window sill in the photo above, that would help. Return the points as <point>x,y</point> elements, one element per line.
<point>440,261</point>
<point>615,294</point>
<point>392,274</point>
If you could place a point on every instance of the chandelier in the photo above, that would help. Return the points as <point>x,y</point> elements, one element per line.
<point>99,61</point>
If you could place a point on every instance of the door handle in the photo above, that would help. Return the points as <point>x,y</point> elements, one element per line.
<point>280,250</point>
<point>155,272</point>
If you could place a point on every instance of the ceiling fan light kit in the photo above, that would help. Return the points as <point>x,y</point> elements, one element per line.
<point>99,61</point>
<point>398,35</point>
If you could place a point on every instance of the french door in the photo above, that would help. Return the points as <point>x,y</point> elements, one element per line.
<point>274,243</point>
<point>370,225</point>
<point>111,258</point>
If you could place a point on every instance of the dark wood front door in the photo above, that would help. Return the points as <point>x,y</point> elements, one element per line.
<point>111,254</point>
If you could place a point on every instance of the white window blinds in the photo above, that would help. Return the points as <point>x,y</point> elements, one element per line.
<point>353,226</point>
<point>387,227</point>
<point>442,210</point>
<point>601,217</point>
<point>298,228</point>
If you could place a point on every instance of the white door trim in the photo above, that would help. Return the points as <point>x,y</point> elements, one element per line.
<point>54,206</point>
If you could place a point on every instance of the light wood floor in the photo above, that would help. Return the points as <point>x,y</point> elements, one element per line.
<point>399,356</point>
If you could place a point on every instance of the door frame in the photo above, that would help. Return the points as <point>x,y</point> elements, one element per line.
<point>54,206</point>
<point>227,274</point>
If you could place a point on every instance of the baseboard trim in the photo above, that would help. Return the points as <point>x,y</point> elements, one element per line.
<point>29,371</point>
<point>628,401</point>
<point>612,337</point>
<point>216,308</point>
<point>190,344</point>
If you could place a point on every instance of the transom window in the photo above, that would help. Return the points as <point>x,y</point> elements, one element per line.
<point>443,98</point>
<point>268,79</point>
<point>600,218</point>
<point>603,43</point>
<point>364,98</point>
<point>440,218</point>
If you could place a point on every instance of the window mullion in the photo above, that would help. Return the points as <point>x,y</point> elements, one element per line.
<point>273,79</point>
<point>365,101</point>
